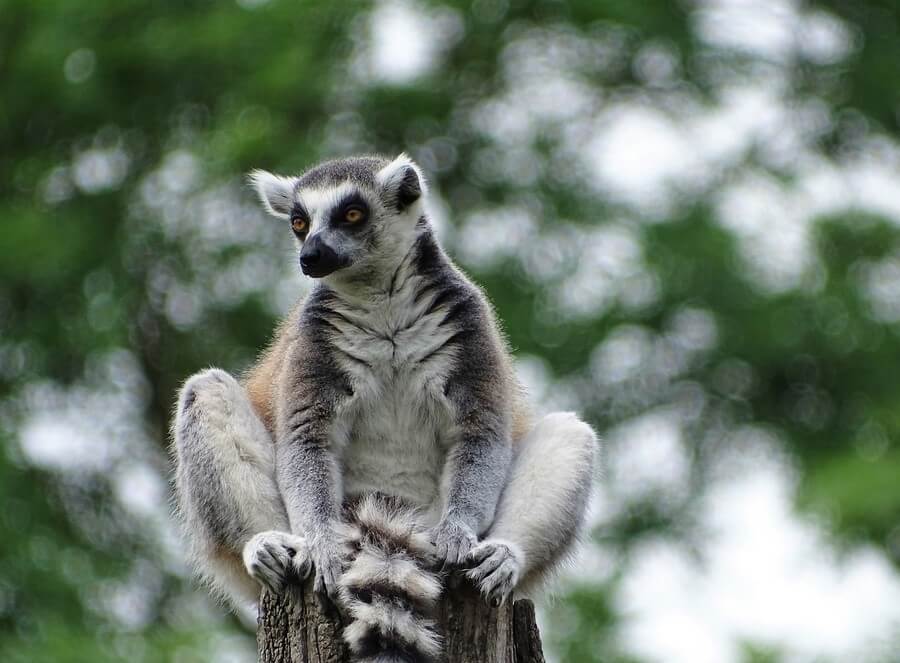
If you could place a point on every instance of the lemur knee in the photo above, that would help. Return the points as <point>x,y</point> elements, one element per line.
<point>560,452</point>
<point>207,387</point>
<point>568,426</point>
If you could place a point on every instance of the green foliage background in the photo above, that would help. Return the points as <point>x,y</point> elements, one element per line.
<point>132,254</point>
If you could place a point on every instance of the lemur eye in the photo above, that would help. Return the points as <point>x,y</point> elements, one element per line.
<point>354,215</point>
<point>298,224</point>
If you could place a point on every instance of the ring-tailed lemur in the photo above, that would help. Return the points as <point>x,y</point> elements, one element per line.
<point>383,430</point>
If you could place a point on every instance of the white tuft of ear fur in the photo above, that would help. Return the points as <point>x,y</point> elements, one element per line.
<point>403,178</point>
<point>276,193</point>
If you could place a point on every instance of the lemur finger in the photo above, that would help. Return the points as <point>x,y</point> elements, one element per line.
<point>270,559</point>
<point>501,591</point>
<point>265,577</point>
<point>302,567</point>
<point>261,556</point>
<point>498,585</point>
<point>465,545</point>
<point>442,554</point>
<point>277,552</point>
<point>479,553</point>
<point>488,565</point>
<point>267,568</point>
<point>452,554</point>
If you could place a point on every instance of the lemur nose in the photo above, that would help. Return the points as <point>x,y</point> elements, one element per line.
<point>310,258</point>
<point>317,259</point>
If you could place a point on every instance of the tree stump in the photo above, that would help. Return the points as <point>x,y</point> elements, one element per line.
<point>293,628</point>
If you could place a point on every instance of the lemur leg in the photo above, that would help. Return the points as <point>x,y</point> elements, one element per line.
<point>226,491</point>
<point>542,509</point>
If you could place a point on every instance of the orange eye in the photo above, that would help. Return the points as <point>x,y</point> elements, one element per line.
<point>354,215</point>
<point>298,224</point>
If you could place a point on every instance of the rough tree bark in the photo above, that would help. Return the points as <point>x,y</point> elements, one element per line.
<point>292,628</point>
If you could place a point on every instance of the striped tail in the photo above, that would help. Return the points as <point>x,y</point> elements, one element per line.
<point>387,592</point>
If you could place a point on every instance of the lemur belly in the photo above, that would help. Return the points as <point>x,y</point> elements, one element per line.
<point>393,446</point>
<point>397,429</point>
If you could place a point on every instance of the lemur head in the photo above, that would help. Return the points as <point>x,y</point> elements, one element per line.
<point>353,218</point>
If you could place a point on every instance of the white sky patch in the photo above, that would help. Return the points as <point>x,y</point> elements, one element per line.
<point>638,153</point>
<point>130,602</point>
<point>90,426</point>
<point>622,354</point>
<point>213,221</point>
<point>53,442</point>
<point>633,360</point>
<point>140,488</point>
<point>693,330</point>
<point>647,456</point>
<point>651,158</point>
<point>547,394</point>
<point>405,41</point>
<point>774,220</point>
<point>766,577</point>
<point>534,374</point>
<point>608,257</point>
<point>100,169</point>
<point>488,236</point>
<point>759,27</point>
<point>773,30</point>
<point>648,159</point>
<point>754,115</point>
<point>880,285</point>
<point>870,180</point>
<point>57,186</point>
<point>542,86</point>
<point>773,228</point>
<point>93,432</point>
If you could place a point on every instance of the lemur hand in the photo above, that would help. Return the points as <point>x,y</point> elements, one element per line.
<point>453,540</point>
<point>330,560</point>
<point>496,567</point>
<point>275,558</point>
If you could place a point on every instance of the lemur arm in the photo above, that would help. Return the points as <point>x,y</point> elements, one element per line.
<point>478,464</point>
<point>307,468</point>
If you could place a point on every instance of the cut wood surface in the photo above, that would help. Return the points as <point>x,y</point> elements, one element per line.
<point>294,628</point>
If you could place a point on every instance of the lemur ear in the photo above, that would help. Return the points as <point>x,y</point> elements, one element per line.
<point>402,182</point>
<point>276,193</point>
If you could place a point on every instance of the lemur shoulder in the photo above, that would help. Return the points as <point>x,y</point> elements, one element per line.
<point>385,421</point>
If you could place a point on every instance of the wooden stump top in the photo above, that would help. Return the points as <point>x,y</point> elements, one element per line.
<point>294,628</point>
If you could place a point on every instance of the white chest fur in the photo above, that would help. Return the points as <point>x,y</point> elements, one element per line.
<point>396,430</point>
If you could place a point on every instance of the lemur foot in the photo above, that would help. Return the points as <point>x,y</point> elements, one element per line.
<point>331,556</point>
<point>275,558</point>
<point>452,541</point>
<point>496,568</point>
